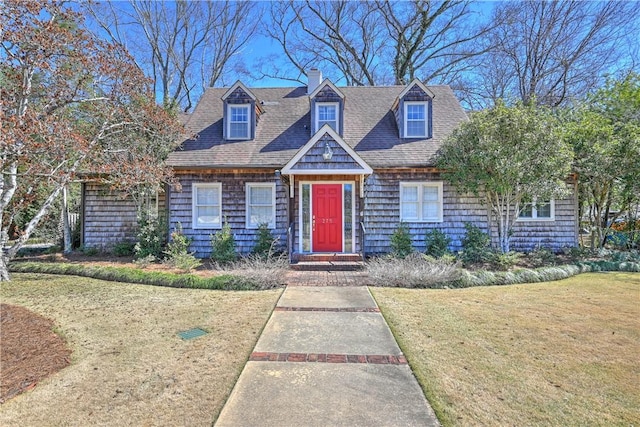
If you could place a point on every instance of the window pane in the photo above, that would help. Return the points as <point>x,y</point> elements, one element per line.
<point>543,210</point>
<point>410,194</point>
<point>527,211</point>
<point>326,113</point>
<point>207,196</point>
<point>415,128</point>
<point>239,130</point>
<point>261,215</point>
<point>239,114</point>
<point>430,194</point>
<point>348,218</point>
<point>333,124</point>
<point>208,215</point>
<point>430,210</point>
<point>415,112</point>
<point>260,196</point>
<point>306,218</point>
<point>409,211</point>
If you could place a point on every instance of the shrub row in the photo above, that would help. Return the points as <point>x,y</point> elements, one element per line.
<point>543,274</point>
<point>131,275</point>
<point>417,271</point>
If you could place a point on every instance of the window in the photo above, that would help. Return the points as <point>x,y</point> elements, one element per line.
<point>327,113</point>
<point>238,116</point>
<point>415,119</point>
<point>261,205</point>
<point>537,211</point>
<point>421,201</point>
<point>207,206</point>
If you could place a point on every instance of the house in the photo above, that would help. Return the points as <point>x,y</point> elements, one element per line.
<point>329,169</point>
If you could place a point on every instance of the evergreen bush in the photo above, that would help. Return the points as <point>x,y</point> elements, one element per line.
<point>401,245</point>
<point>223,246</point>
<point>437,243</point>
<point>475,245</point>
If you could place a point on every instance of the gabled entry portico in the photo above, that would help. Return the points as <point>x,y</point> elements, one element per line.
<point>324,178</point>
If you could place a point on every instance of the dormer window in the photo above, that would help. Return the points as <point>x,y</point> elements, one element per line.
<point>415,119</point>
<point>238,121</point>
<point>327,113</point>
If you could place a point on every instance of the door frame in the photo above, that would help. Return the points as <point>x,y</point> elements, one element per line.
<point>353,213</point>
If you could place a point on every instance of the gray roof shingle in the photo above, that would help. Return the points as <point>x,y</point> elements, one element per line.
<point>284,127</point>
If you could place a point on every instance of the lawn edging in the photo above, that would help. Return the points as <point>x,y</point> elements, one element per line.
<point>542,274</point>
<point>131,275</point>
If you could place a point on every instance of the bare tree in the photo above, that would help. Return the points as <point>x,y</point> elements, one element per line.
<point>433,40</point>
<point>556,50</point>
<point>342,37</point>
<point>184,46</point>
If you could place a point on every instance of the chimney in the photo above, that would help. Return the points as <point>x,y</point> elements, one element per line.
<point>314,77</point>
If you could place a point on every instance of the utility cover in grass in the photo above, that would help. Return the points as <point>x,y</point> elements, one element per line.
<point>192,333</point>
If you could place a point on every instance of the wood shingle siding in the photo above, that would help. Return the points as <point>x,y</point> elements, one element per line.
<point>314,159</point>
<point>233,208</point>
<point>382,217</point>
<point>109,217</point>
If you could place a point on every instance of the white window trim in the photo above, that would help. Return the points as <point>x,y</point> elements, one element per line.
<point>272,224</point>
<point>534,213</point>
<point>325,104</point>
<point>246,107</point>
<point>194,219</point>
<point>426,118</point>
<point>421,185</point>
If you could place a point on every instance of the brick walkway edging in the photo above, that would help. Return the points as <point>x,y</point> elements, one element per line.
<point>375,359</point>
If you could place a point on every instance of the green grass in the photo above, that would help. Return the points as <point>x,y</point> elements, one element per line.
<point>558,353</point>
<point>129,366</point>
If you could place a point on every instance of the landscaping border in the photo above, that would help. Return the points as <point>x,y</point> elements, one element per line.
<point>131,275</point>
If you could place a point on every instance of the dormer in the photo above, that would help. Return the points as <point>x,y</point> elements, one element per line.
<point>413,111</point>
<point>327,107</point>
<point>241,113</point>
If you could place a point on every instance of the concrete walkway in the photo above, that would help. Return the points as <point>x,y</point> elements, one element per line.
<point>326,358</point>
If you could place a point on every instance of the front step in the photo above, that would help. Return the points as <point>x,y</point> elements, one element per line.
<point>327,262</point>
<point>327,266</point>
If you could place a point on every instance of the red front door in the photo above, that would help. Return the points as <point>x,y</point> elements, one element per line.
<point>326,219</point>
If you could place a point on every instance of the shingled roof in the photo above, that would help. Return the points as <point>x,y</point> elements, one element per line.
<point>284,127</point>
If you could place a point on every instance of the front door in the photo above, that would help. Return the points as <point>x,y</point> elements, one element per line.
<point>326,217</point>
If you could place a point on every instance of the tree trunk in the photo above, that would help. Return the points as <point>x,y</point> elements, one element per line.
<point>4,266</point>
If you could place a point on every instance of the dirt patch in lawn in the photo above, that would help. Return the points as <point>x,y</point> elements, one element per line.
<point>558,353</point>
<point>129,365</point>
<point>30,350</point>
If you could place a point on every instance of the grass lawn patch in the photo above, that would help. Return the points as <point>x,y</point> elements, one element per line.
<point>555,353</point>
<point>129,366</point>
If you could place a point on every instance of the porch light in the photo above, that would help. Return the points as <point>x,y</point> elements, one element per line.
<point>328,152</point>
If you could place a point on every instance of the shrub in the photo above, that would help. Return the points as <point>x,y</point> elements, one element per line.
<point>475,245</point>
<point>401,245</point>
<point>151,236</point>
<point>123,248</point>
<point>413,271</point>
<point>541,256</point>
<point>506,260</point>
<point>266,244</point>
<point>437,243</point>
<point>89,251</point>
<point>178,255</point>
<point>223,246</point>
<point>257,271</point>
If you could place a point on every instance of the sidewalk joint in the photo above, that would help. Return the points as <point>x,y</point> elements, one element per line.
<point>373,359</point>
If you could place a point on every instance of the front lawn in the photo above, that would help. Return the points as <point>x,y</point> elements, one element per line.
<point>129,366</point>
<point>556,353</point>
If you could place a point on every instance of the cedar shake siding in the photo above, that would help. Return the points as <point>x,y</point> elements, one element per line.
<point>313,159</point>
<point>109,217</point>
<point>382,216</point>
<point>233,208</point>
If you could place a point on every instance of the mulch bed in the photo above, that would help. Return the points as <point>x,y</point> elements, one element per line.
<point>30,350</point>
